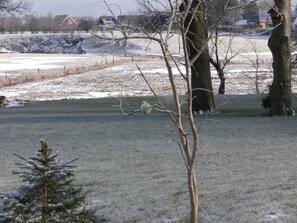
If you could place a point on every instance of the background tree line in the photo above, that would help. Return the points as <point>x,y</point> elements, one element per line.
<point>33,24</point>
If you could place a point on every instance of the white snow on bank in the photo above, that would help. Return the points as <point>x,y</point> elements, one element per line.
<point>241,71</point>
<point>34,62</point>
<point>123,80</point>
<point>120,80</point>
<point>115,82</point>
<point>161,71</point>
<point>26,66</point>
<point>16,104</point>
<point>256,53</point>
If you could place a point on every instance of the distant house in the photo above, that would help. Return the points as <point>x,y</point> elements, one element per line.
<point>122,21</point>
<point>106,22</point>
<point>64,23</point>
<point>264,19</point>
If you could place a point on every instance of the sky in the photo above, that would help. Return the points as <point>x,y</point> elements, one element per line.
<point>93,8</point>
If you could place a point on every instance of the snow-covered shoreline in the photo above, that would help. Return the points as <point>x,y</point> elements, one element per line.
<point>120,80</point>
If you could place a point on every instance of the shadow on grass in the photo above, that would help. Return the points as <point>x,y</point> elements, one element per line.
<point>227,106</point>
<point>240,105</point>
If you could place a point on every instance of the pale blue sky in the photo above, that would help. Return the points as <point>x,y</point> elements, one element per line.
<point>82,7</point>
<point>85,7</point>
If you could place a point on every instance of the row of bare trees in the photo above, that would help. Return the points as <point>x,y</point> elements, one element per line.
<point>12,22</point>
<point>33,24</point>
<point>10,7</point>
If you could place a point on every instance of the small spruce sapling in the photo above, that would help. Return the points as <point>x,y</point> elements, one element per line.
<point>48,194</point>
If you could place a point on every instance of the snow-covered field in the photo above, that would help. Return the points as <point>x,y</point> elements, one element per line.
<point>124,79</point>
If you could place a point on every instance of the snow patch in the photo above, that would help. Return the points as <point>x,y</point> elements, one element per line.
<point>103,94</point>
<point>47,61</point>
<point>274,216</point>
<point>257,53</point>
<point>16,103</point>
<point>26,66</point>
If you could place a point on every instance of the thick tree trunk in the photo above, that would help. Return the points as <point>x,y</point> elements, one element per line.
<point>280,46</point>
<point>202,91</point>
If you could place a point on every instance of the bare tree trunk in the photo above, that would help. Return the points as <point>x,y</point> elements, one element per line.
<point>194,26</point>
<point>217,65</point>
<point>280,46</point>
<point>192,184</point>
<point>221,74</point>
<point>44,211</point>
<point>222,82</point>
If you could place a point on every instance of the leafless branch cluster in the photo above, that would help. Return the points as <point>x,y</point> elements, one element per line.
<point>10,7</point>
<point>180,14</point>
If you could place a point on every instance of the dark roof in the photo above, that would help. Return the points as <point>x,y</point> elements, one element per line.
<point>104,20</point>
<point>59,19</point>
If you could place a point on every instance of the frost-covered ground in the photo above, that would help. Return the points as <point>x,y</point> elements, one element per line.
<point>125,80</point>
<point>247,163</point>
<point>246,168</point>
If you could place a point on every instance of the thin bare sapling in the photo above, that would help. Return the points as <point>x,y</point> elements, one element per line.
<point>187,129</point>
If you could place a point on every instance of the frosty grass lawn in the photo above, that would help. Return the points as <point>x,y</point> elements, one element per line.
<point>246,170</point>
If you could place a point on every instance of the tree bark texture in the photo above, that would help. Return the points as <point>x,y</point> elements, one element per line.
<point>280,46</point>
<point>195,25</point>
<point>192,184</point>
<point>221,74</point>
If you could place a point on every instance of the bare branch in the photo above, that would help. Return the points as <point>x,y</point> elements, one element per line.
<point>131,112</point>
<point>180,147</point>
<point>10,7</point>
